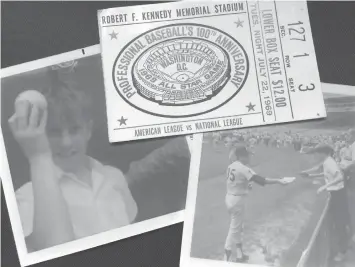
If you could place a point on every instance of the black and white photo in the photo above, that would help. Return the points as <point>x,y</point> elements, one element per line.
<point>278,195</point>
<point>67,187</point>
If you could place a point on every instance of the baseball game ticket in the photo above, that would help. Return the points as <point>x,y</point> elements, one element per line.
<point>188,67</point>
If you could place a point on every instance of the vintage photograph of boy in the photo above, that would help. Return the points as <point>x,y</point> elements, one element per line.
<point>305,218</point>
<point>69,181</point>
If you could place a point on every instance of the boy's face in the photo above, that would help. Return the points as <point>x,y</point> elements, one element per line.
<point>69,144</point>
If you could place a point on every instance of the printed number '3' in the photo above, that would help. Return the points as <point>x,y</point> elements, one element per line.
<point>303,88</point>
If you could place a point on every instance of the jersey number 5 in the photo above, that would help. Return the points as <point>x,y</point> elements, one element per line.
<point>230,174</point>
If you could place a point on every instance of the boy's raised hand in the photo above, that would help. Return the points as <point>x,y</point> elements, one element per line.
<point>28,125</point>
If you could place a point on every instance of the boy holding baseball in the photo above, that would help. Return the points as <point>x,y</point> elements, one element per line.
<point>71,195</point>
<point>239,178</point>
<point>338,205</point>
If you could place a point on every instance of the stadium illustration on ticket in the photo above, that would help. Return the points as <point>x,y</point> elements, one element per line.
<point>181,72</point>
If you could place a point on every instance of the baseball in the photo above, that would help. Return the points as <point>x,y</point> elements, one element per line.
<point>34,97</point>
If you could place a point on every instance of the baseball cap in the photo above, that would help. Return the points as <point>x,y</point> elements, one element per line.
<point>321,148</point>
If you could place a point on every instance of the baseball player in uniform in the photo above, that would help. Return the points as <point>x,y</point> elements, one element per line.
<point>239,178</point>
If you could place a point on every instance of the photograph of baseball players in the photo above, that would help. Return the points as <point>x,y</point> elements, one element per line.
<point>305,219</point>
<point>69,181</point>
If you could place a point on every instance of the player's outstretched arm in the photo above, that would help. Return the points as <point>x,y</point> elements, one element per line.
<point>275,181</point>
<point>50,223</point>
<point>315,175</point>
<point>266,180</point>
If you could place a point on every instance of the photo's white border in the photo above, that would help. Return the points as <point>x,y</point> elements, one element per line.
<point>185,259</point>
<point>83,243</point>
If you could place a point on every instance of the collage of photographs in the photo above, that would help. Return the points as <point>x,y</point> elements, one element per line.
<point>211,114</point>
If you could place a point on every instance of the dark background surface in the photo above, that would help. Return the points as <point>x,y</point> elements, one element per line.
<point>34,30</point>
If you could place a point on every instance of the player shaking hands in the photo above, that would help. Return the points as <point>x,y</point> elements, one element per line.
<point>239,177</point>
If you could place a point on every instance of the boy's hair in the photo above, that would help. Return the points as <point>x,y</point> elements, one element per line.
<point>67,105</point>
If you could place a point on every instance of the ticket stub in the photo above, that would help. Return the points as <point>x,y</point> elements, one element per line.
<point>188,67</point>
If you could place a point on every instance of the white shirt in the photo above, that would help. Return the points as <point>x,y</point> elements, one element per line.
<point>93,209</point>
<point>332,172</point>
<point>238,179</point>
